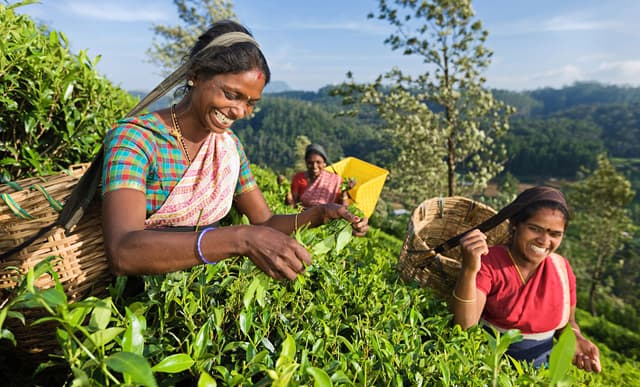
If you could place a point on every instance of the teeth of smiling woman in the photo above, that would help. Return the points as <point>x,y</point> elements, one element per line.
<point>224,120</point>
<point>537,249</point>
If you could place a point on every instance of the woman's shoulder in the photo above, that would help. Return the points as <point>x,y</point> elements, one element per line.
<point>146,122</point>
<point>497,255</point>
<point>137,129</point>
<point>302,175</point>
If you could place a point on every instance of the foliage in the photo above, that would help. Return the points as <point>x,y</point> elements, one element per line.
<point>348,320</point>
<point>55,107</point>
<point>599,202</point>
<point>614,336</point>
<point>269,136</point>
<point>443,123</point>
<point>302,142</point>
<point>556,147</point>
<point>174,42</point>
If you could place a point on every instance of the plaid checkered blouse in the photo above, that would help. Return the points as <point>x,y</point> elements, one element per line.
<point>141,154</point>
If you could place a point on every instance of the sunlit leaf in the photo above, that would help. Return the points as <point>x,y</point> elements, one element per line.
<point>132,365</point>
<point>320,377</point>
<point>174,364</point>
<point>562,355</point>
<point>205,380</point>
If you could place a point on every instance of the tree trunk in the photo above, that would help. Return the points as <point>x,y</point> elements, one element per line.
<point>451,156</point>
<point>595,280</point>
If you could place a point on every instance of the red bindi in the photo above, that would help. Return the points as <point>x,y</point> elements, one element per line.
<point>259,74</point>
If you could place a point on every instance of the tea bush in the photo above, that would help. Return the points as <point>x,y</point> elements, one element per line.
<point>348,320</point>
<point>54,106</point>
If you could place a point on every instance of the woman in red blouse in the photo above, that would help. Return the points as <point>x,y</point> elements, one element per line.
<point>524,284</point>
<point>315,186</point>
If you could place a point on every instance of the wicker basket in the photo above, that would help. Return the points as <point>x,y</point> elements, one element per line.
<point>83,268</point>
<point>434,222</point>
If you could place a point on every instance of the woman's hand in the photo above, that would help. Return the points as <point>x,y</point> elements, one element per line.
<point>474,246</point>
<point>275,253</point>
<point>587,356</point>
<point>336,211</point>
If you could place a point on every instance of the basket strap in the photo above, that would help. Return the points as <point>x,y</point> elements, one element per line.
<point>523,200</point>
<point>485,226</point>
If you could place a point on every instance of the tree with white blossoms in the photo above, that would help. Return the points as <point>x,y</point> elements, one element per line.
<point>445,124</point>
<point>599,204</point>
<point>174,42</point>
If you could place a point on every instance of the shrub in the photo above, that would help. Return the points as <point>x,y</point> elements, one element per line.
<point>54,106</point>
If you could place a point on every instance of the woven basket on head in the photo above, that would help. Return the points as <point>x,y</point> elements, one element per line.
<point>434,222</point>
<point>82,266</point>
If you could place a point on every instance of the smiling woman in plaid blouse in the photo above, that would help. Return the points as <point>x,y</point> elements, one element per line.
<point>182,168</point>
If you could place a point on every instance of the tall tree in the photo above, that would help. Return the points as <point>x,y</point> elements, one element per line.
<point>465,119</point>
<point>302,142</point>
<point>173,42</point>
<point>602,220</point>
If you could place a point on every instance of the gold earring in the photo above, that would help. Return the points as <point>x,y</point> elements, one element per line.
<point>190,83</point>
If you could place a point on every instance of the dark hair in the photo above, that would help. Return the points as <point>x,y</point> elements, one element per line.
<point>239,57</point>
<point>527,212</point>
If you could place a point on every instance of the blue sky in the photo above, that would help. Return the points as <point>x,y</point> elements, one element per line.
<point>312,43</point>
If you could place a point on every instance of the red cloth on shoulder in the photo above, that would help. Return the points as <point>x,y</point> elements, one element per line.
<point>534,307</point>
<point>299,184</point>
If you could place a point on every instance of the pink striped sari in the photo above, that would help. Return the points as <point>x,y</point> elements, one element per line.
<point>205,193</point>
<point>325,189</point>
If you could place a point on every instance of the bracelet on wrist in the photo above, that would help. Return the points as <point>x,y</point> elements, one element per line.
<point>462,300</point>
<point>199,246</point>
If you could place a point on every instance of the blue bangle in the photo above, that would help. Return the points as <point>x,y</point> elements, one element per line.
<point>198,247</point>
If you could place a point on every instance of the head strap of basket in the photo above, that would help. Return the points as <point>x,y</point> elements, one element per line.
<point>442,222</point>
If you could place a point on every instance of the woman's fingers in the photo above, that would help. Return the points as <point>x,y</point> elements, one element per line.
<point>277,254</point>
<point>587,362</point>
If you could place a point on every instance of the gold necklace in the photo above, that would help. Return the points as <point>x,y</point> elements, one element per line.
<point>516,265</point>
<point>178,130</point>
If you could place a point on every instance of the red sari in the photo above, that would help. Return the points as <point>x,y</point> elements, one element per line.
<point>539,306</point>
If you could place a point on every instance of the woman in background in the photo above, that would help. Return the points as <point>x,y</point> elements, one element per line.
<point>316,185</point>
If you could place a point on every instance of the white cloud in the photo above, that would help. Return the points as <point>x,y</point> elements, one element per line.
<point>558,23</point>
<point>620,72</point>
<point>115,11</point>
<point>573,23</point>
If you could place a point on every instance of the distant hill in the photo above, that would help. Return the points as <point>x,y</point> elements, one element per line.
<point>276,87</point>
<point>553,133</point>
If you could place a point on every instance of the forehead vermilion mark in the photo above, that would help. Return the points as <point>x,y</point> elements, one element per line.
<point>259,76</point>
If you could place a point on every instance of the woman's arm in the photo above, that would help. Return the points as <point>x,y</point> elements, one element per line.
<point>133,250</point>
<point>467,302</point>
<point>587,356</point>
<point>253,205</point>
